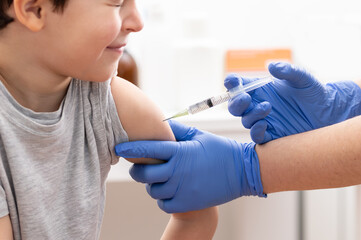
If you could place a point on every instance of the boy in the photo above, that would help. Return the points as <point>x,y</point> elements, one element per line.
<point>57,133</point>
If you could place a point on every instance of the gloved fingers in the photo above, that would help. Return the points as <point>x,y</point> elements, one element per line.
<point>150,174</point>
<point>182,132</point>
<point>260,111</point>
<point>296,77</point>
<point>233,80</point>
<point>267,137</point>
<point>173,205</point>
<point>168,206</point>
<point>161,190</point>
<point>163,150</point>
<point>239,104</point>
<point>258,131</point>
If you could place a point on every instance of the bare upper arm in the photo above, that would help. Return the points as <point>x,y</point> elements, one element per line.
<point>6,230</point>
<point>142,120</point>
<point>140,117</point>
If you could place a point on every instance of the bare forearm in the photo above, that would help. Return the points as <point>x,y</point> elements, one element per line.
<point>200,225</point>
<point>325,158</point>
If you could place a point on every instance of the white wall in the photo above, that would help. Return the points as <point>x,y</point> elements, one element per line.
<point>324,35</point>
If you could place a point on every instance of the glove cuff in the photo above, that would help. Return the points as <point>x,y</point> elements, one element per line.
<point>252,170</point>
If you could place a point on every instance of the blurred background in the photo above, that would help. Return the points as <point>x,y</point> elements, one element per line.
<point>183,54</point>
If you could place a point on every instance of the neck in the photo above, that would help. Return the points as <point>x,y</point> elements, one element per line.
<point>33,92</point>
<point>32,85</point>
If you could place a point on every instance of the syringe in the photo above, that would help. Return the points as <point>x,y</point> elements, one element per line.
<point>224,97</point>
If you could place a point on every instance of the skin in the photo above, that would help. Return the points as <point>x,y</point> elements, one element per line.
<point>324,158</point>
<point>6,231</point>
<point>44,48</point>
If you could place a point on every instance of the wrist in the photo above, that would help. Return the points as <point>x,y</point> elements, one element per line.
<point>199,224</point>
<point>208,214</point>
<point>251,171</point>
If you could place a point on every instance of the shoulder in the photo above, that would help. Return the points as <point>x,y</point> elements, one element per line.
<point>140,117</point>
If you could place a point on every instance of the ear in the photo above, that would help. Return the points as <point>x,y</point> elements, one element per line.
<point>31,13</point>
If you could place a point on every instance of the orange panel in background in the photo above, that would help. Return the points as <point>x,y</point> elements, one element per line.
<point>254,60</point>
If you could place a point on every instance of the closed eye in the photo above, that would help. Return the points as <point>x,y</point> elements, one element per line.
<point>118,3</point>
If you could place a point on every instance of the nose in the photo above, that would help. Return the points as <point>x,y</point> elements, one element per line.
<point>132,22</point>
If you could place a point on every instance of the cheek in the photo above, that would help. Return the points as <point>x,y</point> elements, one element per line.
<point>99,26</point>
<point>109,31</point>
<point>82,50</point>
<point>91,44</point>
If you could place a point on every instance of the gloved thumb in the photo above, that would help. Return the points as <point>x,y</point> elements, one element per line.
<point>182,132</point>
<point>233,80</point>
<point>163,150</point>
<point>296,77</point>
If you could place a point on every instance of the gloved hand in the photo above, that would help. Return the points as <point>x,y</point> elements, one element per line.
<point>201,170</point>
<point>299,103</point>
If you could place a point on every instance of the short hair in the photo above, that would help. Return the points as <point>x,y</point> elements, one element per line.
<point>58,5</point>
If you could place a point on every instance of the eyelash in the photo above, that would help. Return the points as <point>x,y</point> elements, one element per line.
<point>119,5</point>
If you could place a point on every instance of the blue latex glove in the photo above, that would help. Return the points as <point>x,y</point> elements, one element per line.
<point>201,170</point>
<point>299,103</point>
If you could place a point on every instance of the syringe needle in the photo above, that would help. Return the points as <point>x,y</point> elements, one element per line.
<point>179,114</point>
<point>167,119</point>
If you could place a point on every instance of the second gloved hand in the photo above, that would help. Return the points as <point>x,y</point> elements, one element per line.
<point>201,170</point>
<point>299,103</point>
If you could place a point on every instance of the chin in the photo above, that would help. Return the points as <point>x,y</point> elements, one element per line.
<point>97,76</point>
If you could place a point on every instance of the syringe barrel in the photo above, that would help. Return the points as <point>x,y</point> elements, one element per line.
<point>224,97</point>
<point>208,103</point>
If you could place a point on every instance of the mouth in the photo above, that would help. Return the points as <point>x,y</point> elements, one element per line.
<point>117,47</point>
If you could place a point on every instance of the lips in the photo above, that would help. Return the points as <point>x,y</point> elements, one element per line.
<point>117,46</point>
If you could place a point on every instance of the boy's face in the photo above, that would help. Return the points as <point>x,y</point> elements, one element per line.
<point>86,41</point>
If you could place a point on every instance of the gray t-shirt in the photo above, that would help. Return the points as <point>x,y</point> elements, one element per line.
<point>53,165</point>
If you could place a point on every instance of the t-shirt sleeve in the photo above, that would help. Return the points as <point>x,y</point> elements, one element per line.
<point>115,132</point>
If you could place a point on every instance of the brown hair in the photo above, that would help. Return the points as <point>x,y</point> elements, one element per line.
<point>5,4</point>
